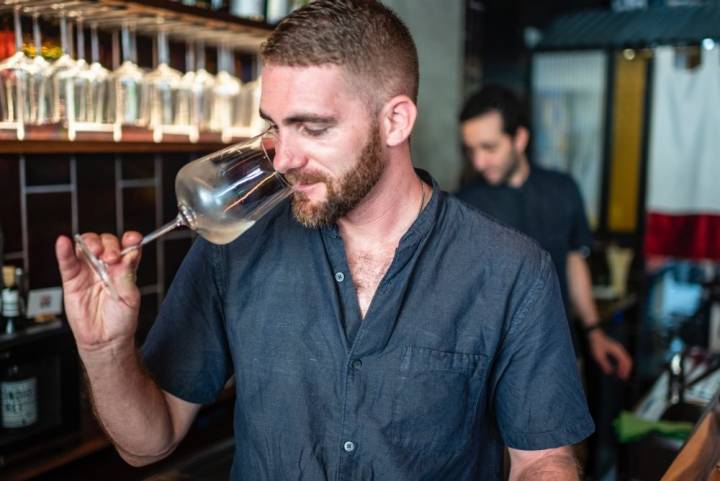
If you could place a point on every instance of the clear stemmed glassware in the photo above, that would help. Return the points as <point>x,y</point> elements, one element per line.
<point>196,96</point>
<point>98,78</point>
<point>14,82</point>
<point>37,99</point>
<point>184,99</point>
<point>163,85</point>
<point>226,92</point>
<point>203,87</point>
<point>129,90</point>
<point>58,85</point>
<point>219,196</point>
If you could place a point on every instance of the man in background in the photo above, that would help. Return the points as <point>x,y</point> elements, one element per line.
<point>543,204</point>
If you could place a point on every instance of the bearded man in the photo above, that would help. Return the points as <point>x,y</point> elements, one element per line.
<point>367,339</point>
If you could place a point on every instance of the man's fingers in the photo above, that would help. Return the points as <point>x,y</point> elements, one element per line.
<point>111,248</point>
<point>624,362</point>
<point>68,263</point>
<point>132,258</point>
<point>602,359</point>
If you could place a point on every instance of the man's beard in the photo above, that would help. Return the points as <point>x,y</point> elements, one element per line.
<point>343,194</point>
<point>512,168</point>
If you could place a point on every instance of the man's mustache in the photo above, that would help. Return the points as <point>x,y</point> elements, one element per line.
<point>305,177</point>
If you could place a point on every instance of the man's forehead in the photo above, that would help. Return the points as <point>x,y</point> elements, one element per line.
<point>322,90</point>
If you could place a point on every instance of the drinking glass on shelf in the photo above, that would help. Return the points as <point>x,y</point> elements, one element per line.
<point>128,85</point>
<point>226,92</point>
<point>14,80</point>
<point>163,84</point>
<point>202,91</point>
<point>97,97</point>
<point>80,79</point>
<point>58,84</point>
<point>219,196</point>
<point>197,92</point>
<point>37,100</point>
<point>183,115</point>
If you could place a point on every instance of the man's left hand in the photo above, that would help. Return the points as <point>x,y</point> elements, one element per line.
<point>610,355</point>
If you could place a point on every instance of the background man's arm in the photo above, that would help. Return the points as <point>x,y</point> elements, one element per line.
<point>604,349</point>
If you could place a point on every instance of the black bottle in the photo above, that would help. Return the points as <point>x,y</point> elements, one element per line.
<point>18,397</point>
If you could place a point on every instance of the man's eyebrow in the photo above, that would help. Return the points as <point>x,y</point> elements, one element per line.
<point>303,118</point>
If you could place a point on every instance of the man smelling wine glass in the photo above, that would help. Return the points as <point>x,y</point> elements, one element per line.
<point>368,336</point>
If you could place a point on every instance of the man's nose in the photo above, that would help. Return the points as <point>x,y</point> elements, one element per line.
<point>480,160</point>
<point>287,157</point>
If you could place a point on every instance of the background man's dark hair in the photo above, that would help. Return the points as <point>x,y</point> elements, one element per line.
<point>491,98</point>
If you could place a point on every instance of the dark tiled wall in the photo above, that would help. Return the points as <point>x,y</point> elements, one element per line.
<point>43,196</point>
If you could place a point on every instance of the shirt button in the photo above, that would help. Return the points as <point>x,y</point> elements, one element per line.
<point>357,364</point>
<point>339,276</point>
<point>349,446</point>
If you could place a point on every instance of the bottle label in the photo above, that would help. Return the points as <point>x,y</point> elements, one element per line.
<point>10,303</point>
<point>19,403</point>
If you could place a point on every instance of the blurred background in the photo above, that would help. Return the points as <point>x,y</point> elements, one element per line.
<point>103,101</point>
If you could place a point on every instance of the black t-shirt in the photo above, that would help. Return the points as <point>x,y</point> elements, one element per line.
<point>547,207</point>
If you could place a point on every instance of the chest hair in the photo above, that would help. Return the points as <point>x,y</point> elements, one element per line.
<point>367,269</point>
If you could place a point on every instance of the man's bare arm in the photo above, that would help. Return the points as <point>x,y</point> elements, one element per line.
<point>145,423</point>
<point>557,464</point>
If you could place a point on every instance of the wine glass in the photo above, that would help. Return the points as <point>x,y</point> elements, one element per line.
<point>163,83</point>
<point>14,81</point>
<point>58,84</point>
<point>226,92</point>
<point>219,196</point>
<point>129,88</point>
<point>37,106</point>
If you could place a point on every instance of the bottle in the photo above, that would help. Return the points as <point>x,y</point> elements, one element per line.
<point>10,301</point>
<point>18,397</point>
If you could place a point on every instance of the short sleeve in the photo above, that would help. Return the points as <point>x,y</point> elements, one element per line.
<point>580,235</point>
<point>186,350</point>
<point>538,399</point>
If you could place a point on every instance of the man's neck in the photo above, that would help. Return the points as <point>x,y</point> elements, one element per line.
<point>388,211</point>
<point>521,174</point>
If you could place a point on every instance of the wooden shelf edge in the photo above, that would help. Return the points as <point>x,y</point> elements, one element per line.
<point>52,139</point>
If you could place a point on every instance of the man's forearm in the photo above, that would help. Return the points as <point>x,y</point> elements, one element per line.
<point>130,406</point>
<point>580,289</point>
<point>557,467</point>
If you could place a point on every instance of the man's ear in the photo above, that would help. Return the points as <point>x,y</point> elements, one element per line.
<point>397,119</point>
<point>521,139</point>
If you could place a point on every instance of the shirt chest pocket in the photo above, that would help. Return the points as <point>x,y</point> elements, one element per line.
<point>437,397</point>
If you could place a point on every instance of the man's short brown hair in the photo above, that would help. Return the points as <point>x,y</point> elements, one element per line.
<point>363,36</point>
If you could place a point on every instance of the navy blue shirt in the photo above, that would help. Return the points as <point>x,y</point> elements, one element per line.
<point>547,207</point>
<point>463,349</point>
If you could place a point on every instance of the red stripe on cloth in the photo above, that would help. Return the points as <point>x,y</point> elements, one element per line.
<point>693,236</point>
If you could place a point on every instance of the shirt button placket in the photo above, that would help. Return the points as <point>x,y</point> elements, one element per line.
<point>339,276</point>
<point>349,446</point>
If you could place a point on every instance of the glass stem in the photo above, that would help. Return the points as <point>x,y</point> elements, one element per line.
<point>189,56</point>
<point>179,221</point>
<point>36,35</point>
<point>126,44</point>
<point>200,58</point>
<point>64,36</point>
<point>80,34</point>
<point>18,30</point>
<point>94,47</point>
<point>162,48</point>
